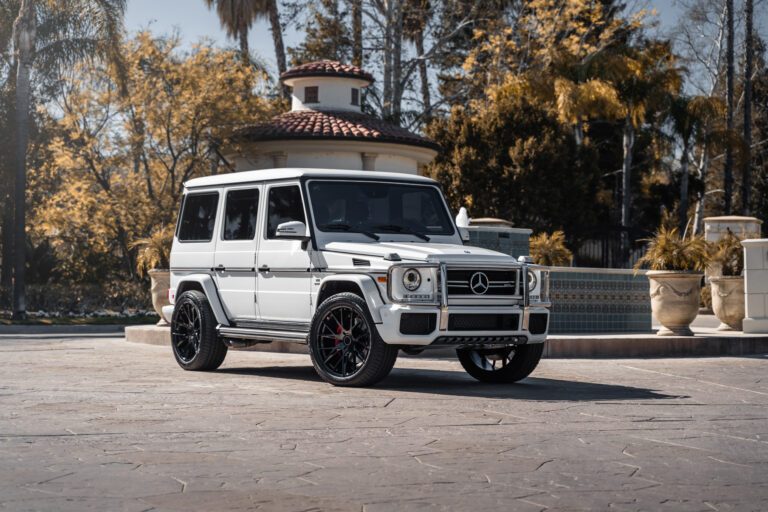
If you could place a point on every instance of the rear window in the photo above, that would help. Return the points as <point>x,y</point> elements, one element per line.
<point>198,217</point>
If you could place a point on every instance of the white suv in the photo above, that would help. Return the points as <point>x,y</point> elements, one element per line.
<point>357,265</point>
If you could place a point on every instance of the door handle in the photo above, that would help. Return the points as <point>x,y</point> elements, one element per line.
<point>264,268</point>
<point>221,268</point>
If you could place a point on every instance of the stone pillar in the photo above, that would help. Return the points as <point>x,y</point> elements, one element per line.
<point>756,285</point>
<point>369,161</point>
<point>743,227</point>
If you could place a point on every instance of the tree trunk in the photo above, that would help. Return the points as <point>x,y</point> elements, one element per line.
<point>386,107</point>
<point>728,170</point>
<point>698,217</point>
<point>6,276</point>
<point>20,190</point>
<point>357,33</point>
<point>244,53</point>
<point>626,195</point>
<point>746,178</point>
<point>277,40</point>
<point>423,75</point>
<point>397,62</point>
<point>684,188</point>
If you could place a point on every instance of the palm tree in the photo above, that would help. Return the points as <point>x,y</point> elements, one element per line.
<point>643,78</point>
<point>45,35</point>
<point>237,16</point>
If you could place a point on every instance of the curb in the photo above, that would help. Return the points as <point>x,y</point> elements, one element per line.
<point>63,329</point>
<point>560,347</point>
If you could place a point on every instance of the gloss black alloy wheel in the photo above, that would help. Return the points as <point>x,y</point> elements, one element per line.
<point>195,343</point>
<point>506,365</point>
<point>345,347</point>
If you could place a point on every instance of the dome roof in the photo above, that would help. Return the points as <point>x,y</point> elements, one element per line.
<point>336,125</point>
<point>327,68</point>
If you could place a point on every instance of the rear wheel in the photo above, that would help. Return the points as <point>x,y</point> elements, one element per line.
<point>505,365</point>
<point>345,346</point>
<point>196,346</point>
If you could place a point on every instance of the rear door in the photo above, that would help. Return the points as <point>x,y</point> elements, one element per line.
<point>236,248</point>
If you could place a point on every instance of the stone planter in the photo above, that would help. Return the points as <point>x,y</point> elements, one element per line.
<point>161,281</point>
<point>728,301</point>
<point>675,300</point>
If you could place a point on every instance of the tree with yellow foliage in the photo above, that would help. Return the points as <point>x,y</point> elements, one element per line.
<point>118,161</point>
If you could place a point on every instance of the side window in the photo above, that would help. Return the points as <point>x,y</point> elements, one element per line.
<point>284,206</point>
<point>198,217</point>
<point>240,214</point>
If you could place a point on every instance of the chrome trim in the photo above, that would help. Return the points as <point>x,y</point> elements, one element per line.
<point>261,334</point>
<point>443,297</point>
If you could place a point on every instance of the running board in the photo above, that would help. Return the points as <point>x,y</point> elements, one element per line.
<point>261,334</point>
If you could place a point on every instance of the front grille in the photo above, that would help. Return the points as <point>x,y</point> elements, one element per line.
<point>417,323</point>
<point>537,323</point>
<point>480,340</point>
<point>500,282</point>
<point>490,322</point>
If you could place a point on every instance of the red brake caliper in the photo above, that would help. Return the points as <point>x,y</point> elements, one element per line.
<point>338,331</point>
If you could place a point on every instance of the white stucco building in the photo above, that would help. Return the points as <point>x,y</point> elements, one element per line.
<point>327,129</point>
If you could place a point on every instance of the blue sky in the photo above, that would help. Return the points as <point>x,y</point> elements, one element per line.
<point>194,20</point>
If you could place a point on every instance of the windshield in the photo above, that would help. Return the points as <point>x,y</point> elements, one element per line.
<point>379,207</point>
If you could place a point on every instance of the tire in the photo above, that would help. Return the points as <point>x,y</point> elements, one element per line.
<point>196,346</point>
<point>514,363</point>
<point>345,346</point>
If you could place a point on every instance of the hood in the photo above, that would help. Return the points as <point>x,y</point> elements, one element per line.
<point>442,253</point>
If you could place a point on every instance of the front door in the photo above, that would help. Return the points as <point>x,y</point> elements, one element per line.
<point>283,280</point>
<point>235,260</point>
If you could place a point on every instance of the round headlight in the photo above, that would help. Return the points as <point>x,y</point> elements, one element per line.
<point>411,279</point>
<point>532,281</point>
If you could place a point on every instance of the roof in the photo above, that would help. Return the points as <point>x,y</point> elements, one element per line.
<point>327,68</point>
<point>336,125</point>
<point>295,173</point>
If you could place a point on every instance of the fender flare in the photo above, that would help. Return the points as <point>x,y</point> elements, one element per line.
<point>366,283</point>
<point>209,289</point>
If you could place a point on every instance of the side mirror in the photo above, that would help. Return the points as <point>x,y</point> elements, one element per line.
<point>292,230</point>
<point>464,234</point>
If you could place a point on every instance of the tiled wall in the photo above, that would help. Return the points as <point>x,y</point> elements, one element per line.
<point>583,300</point>
<point>512,241</point>
<point>599,302</point>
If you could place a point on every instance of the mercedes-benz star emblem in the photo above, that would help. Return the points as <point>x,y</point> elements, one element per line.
<point>478,283</point>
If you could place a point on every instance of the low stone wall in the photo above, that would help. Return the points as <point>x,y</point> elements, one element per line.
<point>595,300</point>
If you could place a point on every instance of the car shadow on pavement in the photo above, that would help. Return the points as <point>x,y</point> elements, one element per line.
<point>454,383</point>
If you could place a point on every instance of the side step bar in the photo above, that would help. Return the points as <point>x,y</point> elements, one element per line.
<point>261,334</point>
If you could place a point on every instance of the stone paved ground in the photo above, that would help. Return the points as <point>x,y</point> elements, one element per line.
<point>102,424</point>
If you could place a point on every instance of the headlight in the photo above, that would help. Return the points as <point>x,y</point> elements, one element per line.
<point>411,279</point>
<point>532,281</point>
<point>413,284</point>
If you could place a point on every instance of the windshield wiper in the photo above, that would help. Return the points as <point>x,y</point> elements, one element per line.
<point>338,226</point>
<point>402,229</point>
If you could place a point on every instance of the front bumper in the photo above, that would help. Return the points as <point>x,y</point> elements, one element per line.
<point>449,333</point>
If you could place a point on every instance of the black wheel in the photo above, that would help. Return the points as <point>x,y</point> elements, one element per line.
<point>509,364</point>
<point>193,333</point>
<point>345,347</point>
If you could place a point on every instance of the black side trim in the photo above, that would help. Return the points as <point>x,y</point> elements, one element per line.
<point>273,326</point>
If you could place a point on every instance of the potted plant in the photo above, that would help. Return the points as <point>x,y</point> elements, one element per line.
<point>676,268</point>
<point>154,259</point>
<point>728,287</point>
<point>550,250</point>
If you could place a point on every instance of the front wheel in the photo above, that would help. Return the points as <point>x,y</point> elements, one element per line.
<point>345,347</point>
<point>505,365</point>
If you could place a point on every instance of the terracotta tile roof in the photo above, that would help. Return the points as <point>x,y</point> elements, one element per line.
<point>327,68</point>
<point>319,124</point>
